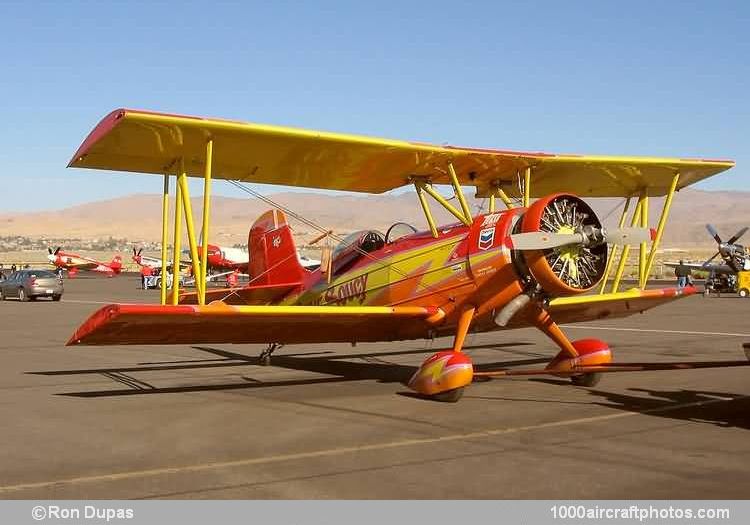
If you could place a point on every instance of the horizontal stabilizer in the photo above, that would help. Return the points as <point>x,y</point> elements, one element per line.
<point>245,295</point>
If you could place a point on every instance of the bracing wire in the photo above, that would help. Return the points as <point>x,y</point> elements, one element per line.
<point>321,229</point>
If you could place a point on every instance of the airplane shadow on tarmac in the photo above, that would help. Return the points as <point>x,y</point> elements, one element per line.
<point>370,366</point>
<point>718,408</point>
<point>721,409</point>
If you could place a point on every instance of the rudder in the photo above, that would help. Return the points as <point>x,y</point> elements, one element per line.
<point>273,255</point>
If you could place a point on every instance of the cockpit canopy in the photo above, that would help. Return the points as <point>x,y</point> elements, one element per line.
<point>359,243</point>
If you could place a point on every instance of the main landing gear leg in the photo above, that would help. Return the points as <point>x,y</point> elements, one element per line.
<point>444,375</point>
<point>573,354</point>
<point>265,355</point>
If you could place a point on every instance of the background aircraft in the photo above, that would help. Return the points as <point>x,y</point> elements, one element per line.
<point>732,274</point>
<point>221,259</point>
<point>74,263</point>
<point>734,256</point>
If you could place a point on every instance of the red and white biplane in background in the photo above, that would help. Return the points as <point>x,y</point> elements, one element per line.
<point>74,263</point>
<point>220,259</point>
<point>223,259</point>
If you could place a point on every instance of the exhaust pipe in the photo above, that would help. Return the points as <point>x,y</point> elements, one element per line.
<point>513,306</point>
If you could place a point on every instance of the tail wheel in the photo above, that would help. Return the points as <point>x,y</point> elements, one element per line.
<point>449,396</point>
<point>744,292</point>
<point>588,379</point>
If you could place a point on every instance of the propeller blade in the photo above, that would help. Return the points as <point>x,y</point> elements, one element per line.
<point>57,250</point>
<point>711,259</point>
<point>547,240</point>
<point>629,236</point>
<point>544,240</point>
<point>737,236</point>
<point>134,254</point>
<point>49,250</point>
<point>139,251</point>
<point>713,233</point>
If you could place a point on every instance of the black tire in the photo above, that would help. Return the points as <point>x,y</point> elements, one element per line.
<point>22,295</point>
<point>2,295</point>
<point>743,292</point>
<point>449,396</point>
<point>56,297</point>
<point>588,379</point>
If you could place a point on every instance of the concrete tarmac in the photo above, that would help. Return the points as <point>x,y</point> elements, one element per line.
<point>335,421</point>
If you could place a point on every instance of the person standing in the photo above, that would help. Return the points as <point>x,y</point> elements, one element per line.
<point>145,273</point>
<point>682,273</point>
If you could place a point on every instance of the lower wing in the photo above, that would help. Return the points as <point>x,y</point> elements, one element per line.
<point>81,266</point>
<point>611,305</point>
<point>139,324</point>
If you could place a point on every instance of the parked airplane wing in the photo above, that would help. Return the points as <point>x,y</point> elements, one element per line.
<point>149,142</point>
<point>139,324</point>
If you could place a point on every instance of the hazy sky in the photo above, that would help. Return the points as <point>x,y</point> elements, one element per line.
<point>655,78</point>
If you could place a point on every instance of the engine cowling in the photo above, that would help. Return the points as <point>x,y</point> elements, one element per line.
<point>567,270</point>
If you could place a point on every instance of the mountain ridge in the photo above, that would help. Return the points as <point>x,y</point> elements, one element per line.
<point>137,217</point>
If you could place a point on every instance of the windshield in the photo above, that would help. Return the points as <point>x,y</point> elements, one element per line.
<point>398,230</point>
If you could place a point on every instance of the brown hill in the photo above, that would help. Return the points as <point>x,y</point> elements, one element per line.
<point>138,217</point>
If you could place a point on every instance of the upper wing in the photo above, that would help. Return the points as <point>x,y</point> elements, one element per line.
<point>147,142</point>
<point>622,304</point>
<point>126,324</point>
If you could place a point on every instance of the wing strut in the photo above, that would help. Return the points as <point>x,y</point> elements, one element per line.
<point>423,185</point>
<point>646,256</point>
<point>164,237</point>
<point>198,261</point>
<point>660,227</point>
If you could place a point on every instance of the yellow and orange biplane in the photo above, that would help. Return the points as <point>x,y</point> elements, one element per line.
<point>534,263</point>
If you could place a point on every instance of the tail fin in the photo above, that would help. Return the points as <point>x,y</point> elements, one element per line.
<point>273,256</point>
<point>116,263</point>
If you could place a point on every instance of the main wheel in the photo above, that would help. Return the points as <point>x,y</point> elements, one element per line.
<point>743,292</point>
<point>2,295</point>
<point>588,379</point>
<point>449,396</point>
<point>56,297</point>
<point>22,295</point>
